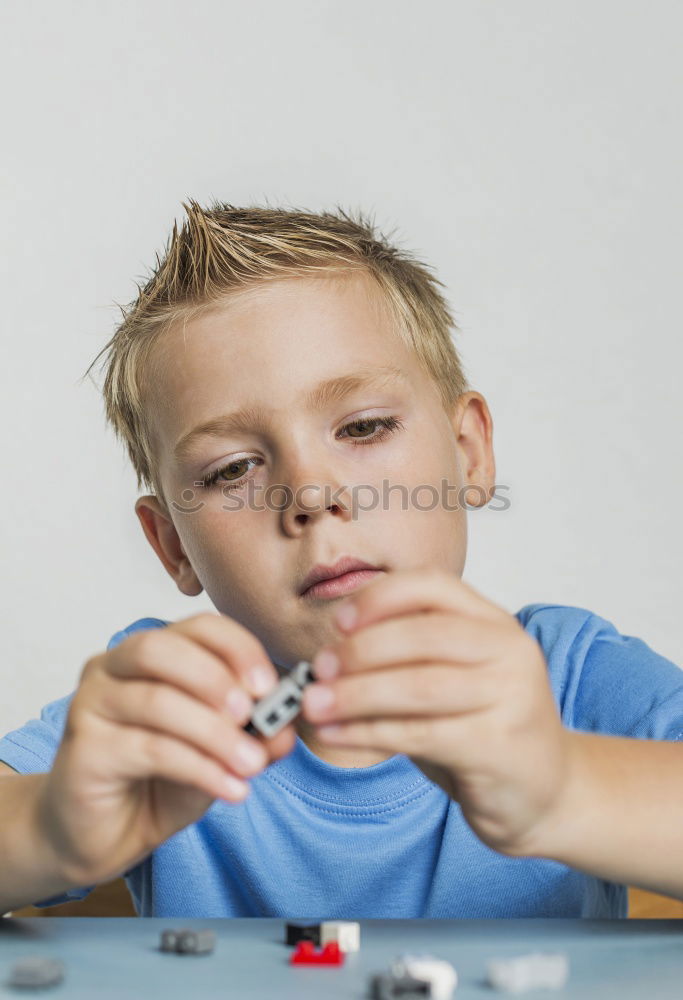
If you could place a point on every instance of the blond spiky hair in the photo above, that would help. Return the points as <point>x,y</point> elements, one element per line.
<point>224,249</point>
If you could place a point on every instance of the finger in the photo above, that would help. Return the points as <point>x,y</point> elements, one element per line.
<point>144,754</point>
<point>193,670</point>
<point>159,707</point>
<point>416,690</point>
<point>402,591</point>
<point>437,637</point>
<point>227,641</point>
<point>447,741</point>
<point>179,660</point>
<point>236,646</point>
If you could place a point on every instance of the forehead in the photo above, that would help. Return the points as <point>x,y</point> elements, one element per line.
<point>269,346</point>
<point>283,316</point>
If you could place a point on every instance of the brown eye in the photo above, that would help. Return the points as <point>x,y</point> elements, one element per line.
<point>359,425</point>
<point>213,477</point>
<point>380,429</point>
<point>232,466</point>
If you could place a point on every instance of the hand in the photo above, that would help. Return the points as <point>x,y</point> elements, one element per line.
<point>434,670</point>
<point>150,742</point>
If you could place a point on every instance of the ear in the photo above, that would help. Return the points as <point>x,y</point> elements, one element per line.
<point>164,539</point>
<point>473,426</point>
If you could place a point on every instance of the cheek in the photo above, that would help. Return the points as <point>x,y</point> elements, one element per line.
<point>215,540</point>
<point>429,460</point>
<point>435,516</point>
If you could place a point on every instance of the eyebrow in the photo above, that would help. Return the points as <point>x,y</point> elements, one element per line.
<point>329,391</point>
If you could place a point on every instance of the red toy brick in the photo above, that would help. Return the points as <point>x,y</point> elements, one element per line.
<point>305,954</point>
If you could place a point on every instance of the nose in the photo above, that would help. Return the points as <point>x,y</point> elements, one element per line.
<point>309,494</point>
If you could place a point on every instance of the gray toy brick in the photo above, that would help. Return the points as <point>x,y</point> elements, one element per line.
<point>169,939</point>
<point>36,972</point>
<point>188,941</point>
<point>272,713</point>
<point>196,942</point>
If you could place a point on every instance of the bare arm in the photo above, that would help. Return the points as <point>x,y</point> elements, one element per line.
<point>29,870</point>
<point>622,816</point>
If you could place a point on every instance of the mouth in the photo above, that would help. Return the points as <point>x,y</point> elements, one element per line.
<point>334,581</point>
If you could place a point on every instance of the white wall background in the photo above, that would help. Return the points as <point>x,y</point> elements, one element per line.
<point>530,151</point>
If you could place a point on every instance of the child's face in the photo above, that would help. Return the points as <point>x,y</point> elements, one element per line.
<point>268,348</point>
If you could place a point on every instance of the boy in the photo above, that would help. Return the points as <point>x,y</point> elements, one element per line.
<point>287,386</point>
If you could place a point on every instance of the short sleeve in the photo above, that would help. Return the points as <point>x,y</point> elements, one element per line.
<point>604,681</point>
<point>627,689</point>
<point>138,626</point>
<point>32,748</point>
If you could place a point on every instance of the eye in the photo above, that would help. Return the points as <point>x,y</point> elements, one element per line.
<point>212,477</point>
<point>386,425</point>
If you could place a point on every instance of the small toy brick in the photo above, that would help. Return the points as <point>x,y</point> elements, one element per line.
<point>36,972</point>
<point>196,942</point>
<point>537,970</point>
<point>295,932</point>
<point>383,987</point>
<point>345,932</point>
<point>305,954</point>
<point>437,971</point>
<point>188,941</point>
<point>272,713</point>
<point>168,940</point>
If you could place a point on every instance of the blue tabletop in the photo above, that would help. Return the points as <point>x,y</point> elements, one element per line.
<point>120,957</point>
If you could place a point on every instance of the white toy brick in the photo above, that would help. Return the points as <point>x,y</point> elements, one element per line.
<point>537,970</point>
<point>437,971</point>
<point>344,932</point>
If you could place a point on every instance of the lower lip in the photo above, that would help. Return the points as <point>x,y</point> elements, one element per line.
<point>340,585</point>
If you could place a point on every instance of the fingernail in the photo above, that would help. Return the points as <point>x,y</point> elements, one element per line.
<point>233,786</point>
<point>249,755</point>
<point>261,681</point>
<point>238,703</point>
<point>346,615</point>
<point>319,697</point>
<point>326,665</point>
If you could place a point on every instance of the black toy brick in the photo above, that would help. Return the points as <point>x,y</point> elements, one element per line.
<point>295,932</point>
<point>387,987</point>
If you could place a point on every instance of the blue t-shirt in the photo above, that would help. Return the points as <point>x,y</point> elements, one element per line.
<point>315,841</point>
